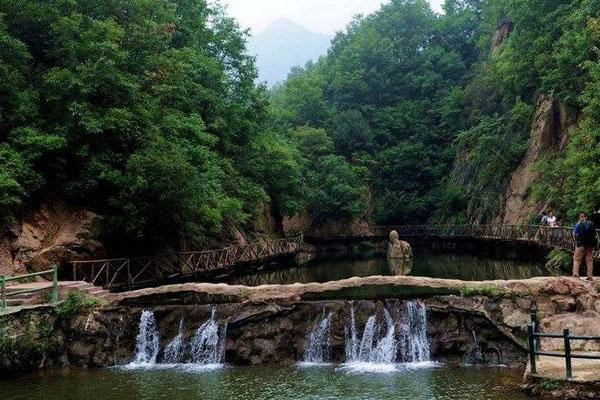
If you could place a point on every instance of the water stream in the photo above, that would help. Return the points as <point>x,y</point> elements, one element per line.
<point>174,350</point>
<point>147,341</point>
<point>317,350</point>
<point>377,351</point>
<point>206,347</point>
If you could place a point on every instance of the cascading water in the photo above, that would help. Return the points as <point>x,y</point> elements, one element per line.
<point>413,333</point>
<point>412,339</point>
<point>367,349</point>
<point>207,347</point>
<point>317,350</point>
<point>474,356</point>
<point>147,341</point>
<point>174,350</point>
<point>208,344</point>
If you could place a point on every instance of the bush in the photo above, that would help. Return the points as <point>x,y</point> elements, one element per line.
<point>74,303</point>
<point>558,260</point>
<point>550,384</point>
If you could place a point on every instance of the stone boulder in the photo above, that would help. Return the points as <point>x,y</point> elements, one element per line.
<point>398,249</point>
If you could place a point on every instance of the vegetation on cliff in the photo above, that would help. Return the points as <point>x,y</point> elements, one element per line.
<point>147,112</point>
<point>438,108</point>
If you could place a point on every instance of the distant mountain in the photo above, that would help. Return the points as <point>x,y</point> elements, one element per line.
<point>285,44</point>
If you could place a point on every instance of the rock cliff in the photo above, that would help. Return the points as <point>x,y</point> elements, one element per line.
<point>548,134</point>
<point>47,236</point>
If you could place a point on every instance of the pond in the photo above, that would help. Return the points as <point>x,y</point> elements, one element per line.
<point>434,265</point>
<point>270,383</point>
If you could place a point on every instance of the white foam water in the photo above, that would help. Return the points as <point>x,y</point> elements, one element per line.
<point>380,355</point>
<point>207,347</point>
<point>413,333</point>
<point>174,350</point>
<point>147,341</point>
<point>317,351</point>
<point>208,344</point>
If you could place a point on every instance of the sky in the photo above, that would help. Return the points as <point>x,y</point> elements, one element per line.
<point>321,16</point>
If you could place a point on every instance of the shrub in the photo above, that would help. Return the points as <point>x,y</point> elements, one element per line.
<point>74,303</point>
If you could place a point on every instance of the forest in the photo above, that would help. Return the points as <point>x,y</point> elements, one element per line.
<point>148,113</point>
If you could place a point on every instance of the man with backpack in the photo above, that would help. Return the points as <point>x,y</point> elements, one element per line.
<point>585,237</point>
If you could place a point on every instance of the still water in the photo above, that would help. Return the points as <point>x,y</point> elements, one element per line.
<point>448,266</point>
<point>257,383</point>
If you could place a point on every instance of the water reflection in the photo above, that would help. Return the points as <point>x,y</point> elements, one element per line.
<point>447,266</point>
<point>272,383</point>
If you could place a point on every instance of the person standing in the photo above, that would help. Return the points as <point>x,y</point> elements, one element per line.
<point>551,220</point>
<point>586,240</point>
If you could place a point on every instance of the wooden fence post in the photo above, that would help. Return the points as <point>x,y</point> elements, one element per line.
<point>531,337</point>
<point>567,334</point>
<point>54,295</point>
<point>2,292</point>
<point>536,326</point>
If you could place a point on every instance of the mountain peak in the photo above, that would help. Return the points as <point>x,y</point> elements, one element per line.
<point>285,44</point>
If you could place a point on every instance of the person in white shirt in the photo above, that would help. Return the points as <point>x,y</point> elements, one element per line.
<point>552,221</point>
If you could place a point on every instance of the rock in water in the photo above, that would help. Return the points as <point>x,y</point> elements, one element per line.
<point>398,249</point>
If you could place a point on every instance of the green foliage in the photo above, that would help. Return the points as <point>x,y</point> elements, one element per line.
<point>147,119</point>
<point>75,302</point>
<point>25,343</point>
<point>385,100</point>
<point>550,384</point>
<point>153,120</point>
<point>489,291</point>
<point>440,119</point>
<point>558,261</point>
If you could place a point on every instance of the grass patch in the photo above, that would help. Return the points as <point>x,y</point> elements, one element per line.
<point>550,384</point>
<point>487,290</point>
<point>76,302</point>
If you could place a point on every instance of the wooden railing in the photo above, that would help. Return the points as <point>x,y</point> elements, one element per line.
<point>561,237</point>
<point>130,273</point>
<point>6,292</point>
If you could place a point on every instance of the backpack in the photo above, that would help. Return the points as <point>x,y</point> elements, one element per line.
<point>587,235</point>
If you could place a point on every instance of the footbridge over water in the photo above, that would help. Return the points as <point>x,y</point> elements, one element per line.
<point>124,274</point>
<point>550,238</point>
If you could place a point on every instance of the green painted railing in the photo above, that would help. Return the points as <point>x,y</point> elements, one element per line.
<point>534,336</point>
<point>5,293</point>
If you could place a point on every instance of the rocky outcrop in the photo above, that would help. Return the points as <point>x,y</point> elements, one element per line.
<point>268,325</point>
<point>549,133</point>
<point>48,236</point>
<point>501,34</point>
<point>358,226</point>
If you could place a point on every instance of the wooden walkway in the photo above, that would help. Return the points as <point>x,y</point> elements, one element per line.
<point>559,238</point>
<point>130,273</point>
<point>121,274</point>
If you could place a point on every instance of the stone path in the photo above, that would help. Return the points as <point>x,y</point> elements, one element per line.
<point>554,368</point>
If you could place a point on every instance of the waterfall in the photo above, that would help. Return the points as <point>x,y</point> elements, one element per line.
<point>413,335</point>
<point>207,347</point>
<point>385,351</point>
<point>475,356</point>
<point>381,350</point>
<point>317,350</point>
<point>352,344</point>
<point>368,349</point>
<point>208,344</point>
<point>147,341</point>
<point>174,350</point>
